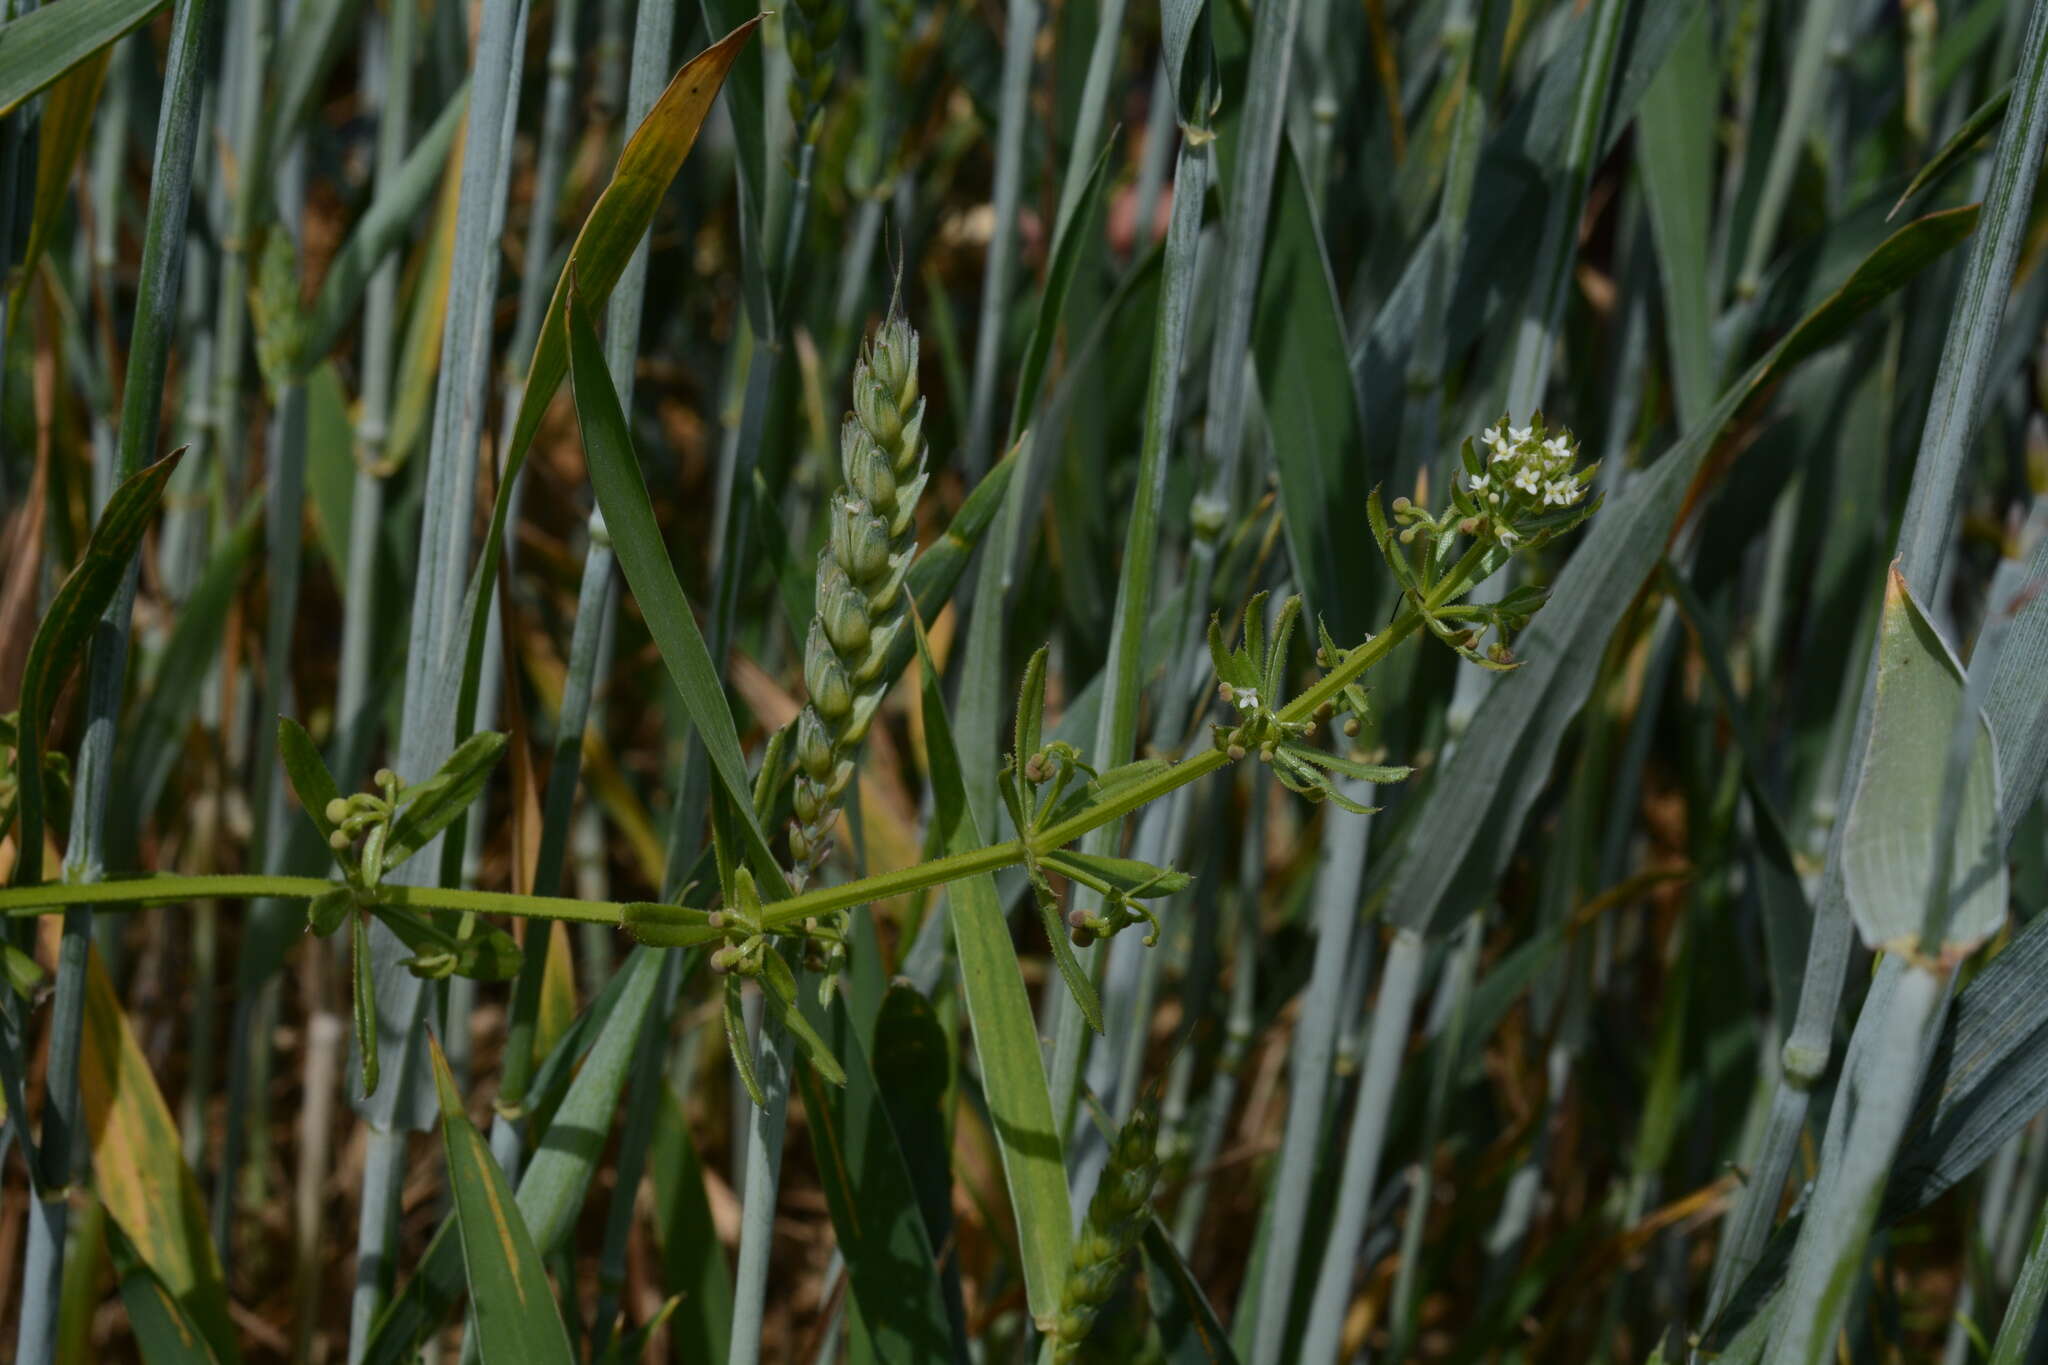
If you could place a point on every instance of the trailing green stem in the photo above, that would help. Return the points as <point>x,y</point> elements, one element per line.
<point>779,914</point>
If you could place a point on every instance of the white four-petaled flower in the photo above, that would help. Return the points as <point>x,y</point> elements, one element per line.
<point>1527,480</point>
<point>1247,699</point>
<point>1560,492</point>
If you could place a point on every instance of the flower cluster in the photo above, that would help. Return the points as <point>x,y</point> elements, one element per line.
<point>1251,678</point>
<point>1521,488</point>
<point>1518,477</point>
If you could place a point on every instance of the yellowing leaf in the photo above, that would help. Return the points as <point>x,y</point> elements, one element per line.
<point>516,1317</point>
<point>139,1167</point>
<point>557,993</point>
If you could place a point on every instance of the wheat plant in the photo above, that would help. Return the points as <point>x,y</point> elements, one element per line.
<point>1238,681</point>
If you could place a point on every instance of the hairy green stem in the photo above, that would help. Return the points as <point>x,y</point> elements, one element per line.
<point>781,914</point>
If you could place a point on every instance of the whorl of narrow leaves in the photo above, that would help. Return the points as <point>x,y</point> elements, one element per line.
<point>1116,1220</point>
<point>861,608</point>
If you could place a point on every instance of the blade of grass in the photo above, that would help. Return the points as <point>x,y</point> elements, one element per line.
<point>1677,168</point>
<point>1954,412</point>
<point>564,1163</point>
<point>164,1331</point>
<point>1020,41</point>
<point>88,592</point>
<point>388,51</point>
<point>402,194</point>
<point>513,1305</point>
<point>1340,870</point>
<point>1817,24</point>
<point>67,119</point>
<point>427,723</point>
<point>609,235</point>
<point>1960,144</point>
<point>874,1203</point>
<point>2023,1311</point>
<point>1116,729</point>
<point>1005,1036</point>
<point>1393,1009</point>
<point>1536,329</point>
<point>643,558</point>
<point>37,49</point>
<point>141,414</point>
<point>693,1260</point>
<point>138,1172</point>
<point>1250,177</point>
<point>1295,333</point>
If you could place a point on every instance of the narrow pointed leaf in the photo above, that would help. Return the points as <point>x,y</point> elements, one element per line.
<point>44,43</point>
<point>881,1231</point>
<point>164,1332</point>
<point>311,782</point>
<point>513,1305</point>
<point>60,639</point>
<point>1005,1035</point>
<point>643,558</point>
<point>438,801</point>
<point>610,234</point>
<point>139,1171</point>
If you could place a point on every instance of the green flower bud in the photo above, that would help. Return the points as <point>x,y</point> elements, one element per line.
<point>877,408</point>
<point>813,746</point>
<point>860,542</point>
<point>825,677</point>
<point>892,357</point>
<point>866,466</point>
<point>842,609</point>
<point>803,800</point>
<point>337,811</point>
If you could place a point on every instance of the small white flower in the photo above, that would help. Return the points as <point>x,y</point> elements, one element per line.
<point>1560,492</point>
<point>1520,435</point>
<point>1527,479</point>
<point>1478,484</point>
<point>1247,699</point>
<point>1507,538</point>
<point>1492,436</point>
<point>1558,447</point>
